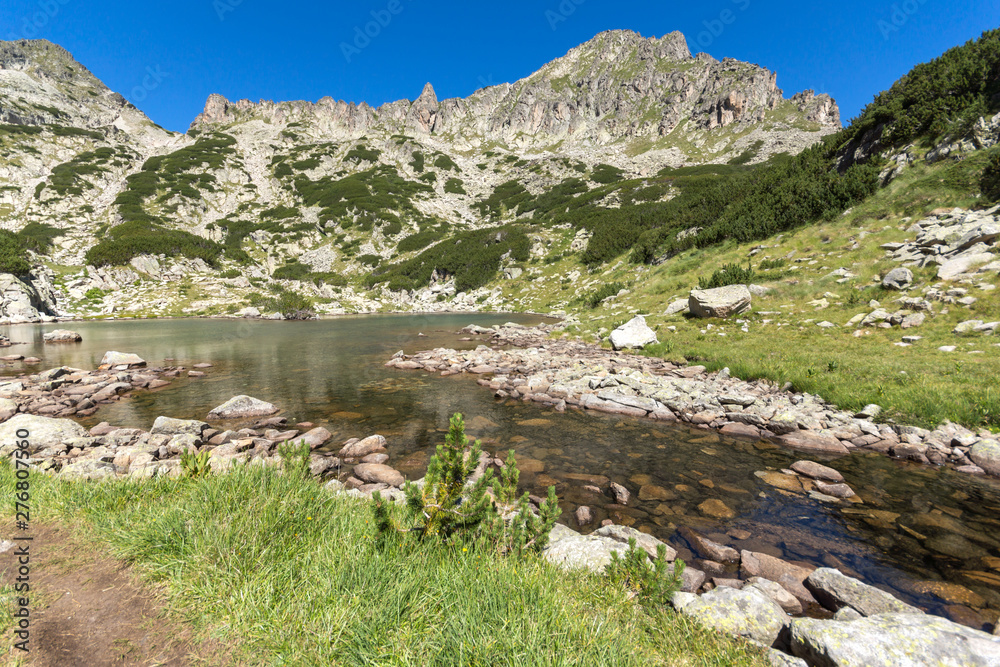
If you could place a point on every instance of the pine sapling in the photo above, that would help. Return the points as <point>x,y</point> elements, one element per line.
<point>449,501</point>
<point>653,583</point>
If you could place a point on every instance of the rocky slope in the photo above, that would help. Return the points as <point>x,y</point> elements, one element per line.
<point>336,186</point>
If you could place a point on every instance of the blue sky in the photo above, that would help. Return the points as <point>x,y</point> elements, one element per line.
<point>167,57</point>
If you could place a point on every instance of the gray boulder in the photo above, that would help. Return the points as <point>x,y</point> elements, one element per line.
<point>122,360</point>
<point>642,540</point>
<point>88,470</point>
<point>62,336</point>
<point>362,448</point>
<point>378,473</point>
<point>963,264</point>
<point>677,307</point>
<point>720,302</point>
<point>242,406</point>
<point>986,455</point>
<point>8,409</point>
<point>589,552</point>
<point>43,433</point>
<point>170,426</point>
<point>633,334</point>
<point>743,613</point>
<point>835,590</point>
<point>893,640</point>
<point>897,279</point>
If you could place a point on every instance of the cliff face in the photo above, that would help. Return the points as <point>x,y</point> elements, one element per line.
<point>618,86</point>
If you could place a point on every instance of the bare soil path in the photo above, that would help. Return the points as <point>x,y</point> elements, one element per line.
<point>88,609</point>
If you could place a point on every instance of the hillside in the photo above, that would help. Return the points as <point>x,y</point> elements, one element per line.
<point>308,198</point>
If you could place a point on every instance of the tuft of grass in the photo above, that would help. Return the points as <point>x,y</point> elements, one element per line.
<point>290,574</point>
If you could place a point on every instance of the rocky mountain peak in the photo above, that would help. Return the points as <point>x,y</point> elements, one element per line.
<point>424,111</point>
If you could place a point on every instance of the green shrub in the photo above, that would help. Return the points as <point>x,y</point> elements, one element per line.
<point>455,186</point>
<point>472,257</point>
<point>370,260</point>
<point>290,304</point>
<point>605,173</point>
<point>12,256</point>
<point>362,153</point>
<point>452,507</point>
<point>195,466</point>
<point>38,236</point>
<point>446,163</point>
<point>594,299</point>
<point>654,584</point>
<point>730,274</point>
<point>64,131</point>
<point>771,264</point>
<point>418,162</point>
<point>230,273</point>
<point>417,241</point>
<point>989,184</point>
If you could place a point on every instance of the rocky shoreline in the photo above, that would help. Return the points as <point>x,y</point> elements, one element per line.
<point>805,616</point>
<point>524,363</point>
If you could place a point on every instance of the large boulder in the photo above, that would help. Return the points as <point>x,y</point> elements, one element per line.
<point>378,473</point>
<point>25,299</point>
<point>43,432</point>
<point>642,540</point>
<point>589,552</point>
<point>239,407</point>
<point>897,279</point>
<point>171,426</point>
<point>62,336</point>
<point>953,268</point>
<point>744,613</point>
<point>121,361</point>
<point>720,302</point>
<point>8,409</point>
<point>634,334</point>
<point>986,455</point>
<point>362,448</point>
<point>88,469</point>
<point>835,590</point>
<point>893,640</point>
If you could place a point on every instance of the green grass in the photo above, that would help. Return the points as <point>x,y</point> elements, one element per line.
<point>285,573</point>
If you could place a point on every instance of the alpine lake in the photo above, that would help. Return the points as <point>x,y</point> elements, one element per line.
<point>931,536</point>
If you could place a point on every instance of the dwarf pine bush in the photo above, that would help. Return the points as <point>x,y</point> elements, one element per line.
<point>454,504</point>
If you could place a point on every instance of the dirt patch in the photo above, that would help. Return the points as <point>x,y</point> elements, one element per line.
<point>89,610</point>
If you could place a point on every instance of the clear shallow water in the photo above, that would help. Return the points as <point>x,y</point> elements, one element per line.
<point>917,528</point>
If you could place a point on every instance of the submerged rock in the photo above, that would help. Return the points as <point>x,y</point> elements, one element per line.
<point>835,590</point>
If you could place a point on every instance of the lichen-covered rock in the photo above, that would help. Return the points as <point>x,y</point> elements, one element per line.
<point>897,279</point>
<point>642,540</point>
<point>171,426</point>
<point>634,334</point>
<point>588,552</point>
<point>743,613</point>
<point>88,470</point>
<point>986,455</point>
<point>43,433</point>
<point>242,406</point>
<point>893,640</point>
<point>720,302</point>
<point>835,590</point>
